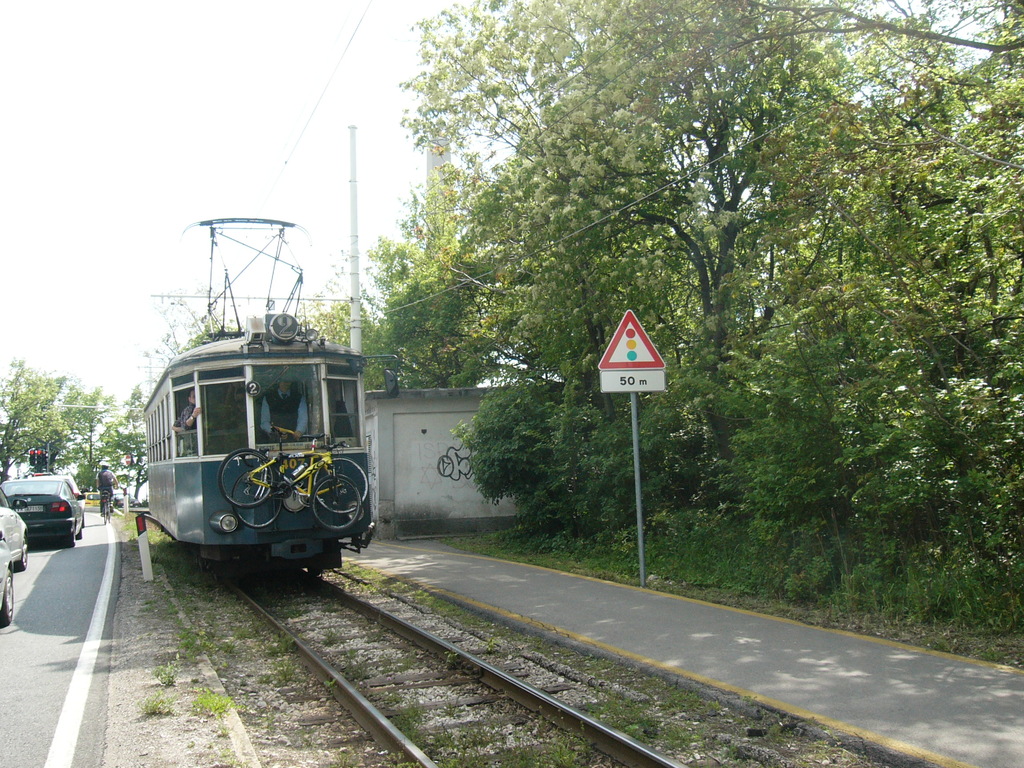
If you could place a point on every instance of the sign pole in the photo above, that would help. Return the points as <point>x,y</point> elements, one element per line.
<point>636,484</point>
<point>632,364</point>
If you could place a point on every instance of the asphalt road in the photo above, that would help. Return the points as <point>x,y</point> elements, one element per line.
<point>52,690</point>
<point>921,705</point>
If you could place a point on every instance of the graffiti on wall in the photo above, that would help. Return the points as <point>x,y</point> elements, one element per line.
<point>454,464</point>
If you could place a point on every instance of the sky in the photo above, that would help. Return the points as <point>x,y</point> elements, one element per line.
<point>125,122</point>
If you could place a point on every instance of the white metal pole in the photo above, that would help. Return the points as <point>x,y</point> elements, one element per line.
<point>636,484</point>
<point>356,321</point>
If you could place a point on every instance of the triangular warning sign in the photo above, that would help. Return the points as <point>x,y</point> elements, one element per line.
<point>630,348</point>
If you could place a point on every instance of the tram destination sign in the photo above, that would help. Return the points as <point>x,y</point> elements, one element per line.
<point>631,363</point>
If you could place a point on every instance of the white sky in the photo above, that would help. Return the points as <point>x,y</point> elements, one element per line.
<point>123,122</point>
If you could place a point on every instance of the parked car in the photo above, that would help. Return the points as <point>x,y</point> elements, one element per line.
<point>119,499</point>
<point>13,556</point>
<point>48,506</point>
<point>92,499</point>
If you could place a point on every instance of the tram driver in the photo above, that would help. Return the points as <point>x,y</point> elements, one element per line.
<point>284,410</point>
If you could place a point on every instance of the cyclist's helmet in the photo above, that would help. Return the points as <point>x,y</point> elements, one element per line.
<point>104,465</point>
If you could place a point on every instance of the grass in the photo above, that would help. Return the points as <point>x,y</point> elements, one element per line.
<point>166,674</point>
<point>283,671</point>
<point>158,704</point>
<point>209,703</point>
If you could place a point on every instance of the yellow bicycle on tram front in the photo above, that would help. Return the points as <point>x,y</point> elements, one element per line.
<point>293,481</point>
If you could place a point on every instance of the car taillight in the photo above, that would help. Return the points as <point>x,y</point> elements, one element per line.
<point>60,506</point>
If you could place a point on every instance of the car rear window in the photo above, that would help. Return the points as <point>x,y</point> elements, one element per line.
<point>27,487</point>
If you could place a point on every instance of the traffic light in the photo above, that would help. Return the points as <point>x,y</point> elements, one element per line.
<point>37,459</point>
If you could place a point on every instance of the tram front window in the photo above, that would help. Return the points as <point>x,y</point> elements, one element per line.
<point>289,405</point>
<point>224,420</point>
<point>343,400</point>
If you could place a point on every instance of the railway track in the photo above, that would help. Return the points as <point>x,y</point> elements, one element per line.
<point>394,676</point>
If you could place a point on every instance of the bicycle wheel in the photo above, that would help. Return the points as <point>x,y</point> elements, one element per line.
<point>358,477</point>
<point>246,477</point>
<point>336,504</point>
<point>260,516</point>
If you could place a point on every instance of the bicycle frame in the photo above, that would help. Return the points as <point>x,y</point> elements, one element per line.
<point>297,471</point>
<point>106,505</point>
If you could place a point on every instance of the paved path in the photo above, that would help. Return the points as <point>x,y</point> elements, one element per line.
<point>943,709</point>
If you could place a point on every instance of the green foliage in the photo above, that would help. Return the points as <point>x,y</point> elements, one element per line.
<point>79,428</point>
<point>209,703</point>
<point>819,226</point>
<point>158,704</point>
<point>166,674</point>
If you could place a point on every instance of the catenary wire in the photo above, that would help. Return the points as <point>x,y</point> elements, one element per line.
<point>316,106</point>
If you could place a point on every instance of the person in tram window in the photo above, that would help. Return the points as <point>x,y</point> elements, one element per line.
<point>284,410</point>
<point>186,421</point>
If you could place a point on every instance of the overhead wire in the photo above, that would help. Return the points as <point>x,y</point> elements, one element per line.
<point>316,106</point>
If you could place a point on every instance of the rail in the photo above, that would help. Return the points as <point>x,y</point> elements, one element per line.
<point>608,740</point>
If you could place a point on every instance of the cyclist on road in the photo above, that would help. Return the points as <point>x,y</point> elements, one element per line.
<point>106,481</point>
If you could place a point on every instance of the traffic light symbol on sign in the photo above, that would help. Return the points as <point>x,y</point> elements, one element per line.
<point>630,348</point>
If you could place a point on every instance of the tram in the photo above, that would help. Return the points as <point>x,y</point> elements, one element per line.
<point>280,390</point>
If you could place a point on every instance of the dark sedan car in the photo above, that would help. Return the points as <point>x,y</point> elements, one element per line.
<point>48,506</point>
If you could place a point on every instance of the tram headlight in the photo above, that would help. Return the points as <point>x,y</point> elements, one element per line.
<point>224,522</point>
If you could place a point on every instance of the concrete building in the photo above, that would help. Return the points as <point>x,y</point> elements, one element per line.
<point>420,470</point>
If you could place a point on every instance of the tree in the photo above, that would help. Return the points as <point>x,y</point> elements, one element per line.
<point>28,420</point>
<point>980,26</point>
<point>814,211</point>
<point>638,167</point>
<point>426,306</point>
<point>125,436</point>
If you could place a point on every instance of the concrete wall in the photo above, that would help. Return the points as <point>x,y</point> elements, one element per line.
<point>421,471</point>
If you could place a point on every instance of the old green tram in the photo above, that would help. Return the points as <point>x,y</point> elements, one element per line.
<point>237,384</point>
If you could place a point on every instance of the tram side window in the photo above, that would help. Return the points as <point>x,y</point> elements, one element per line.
<point>224,422</point>
<point>165,433</point>
<point>289,401</point>
<point>187,441</point>
<point>343,401</point>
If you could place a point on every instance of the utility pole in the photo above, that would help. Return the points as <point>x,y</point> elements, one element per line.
<point>356,316</point>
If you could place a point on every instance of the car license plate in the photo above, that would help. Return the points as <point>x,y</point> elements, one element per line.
<point>35,508</point>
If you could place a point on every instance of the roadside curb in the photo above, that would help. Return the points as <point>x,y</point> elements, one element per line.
<point>239,736</point>
<point>148,622</point>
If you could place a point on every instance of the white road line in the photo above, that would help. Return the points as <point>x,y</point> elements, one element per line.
<point>65,738</point>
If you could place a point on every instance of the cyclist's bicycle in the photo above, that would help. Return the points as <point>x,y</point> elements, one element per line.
<point>294,481</point>
<point>106,506</point>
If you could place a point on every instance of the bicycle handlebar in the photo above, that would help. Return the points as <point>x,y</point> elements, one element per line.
<point>311,439</point>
